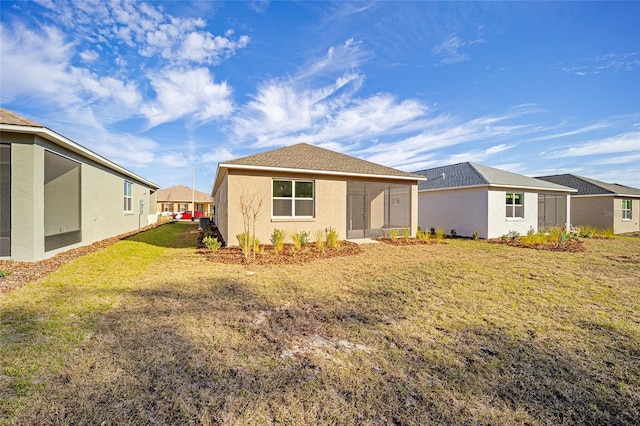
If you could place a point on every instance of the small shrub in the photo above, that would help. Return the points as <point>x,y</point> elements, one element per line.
<point>513,235</point>
<point>248,244</point>
<point>300,239</point>
<point>420,234</point>
<point>439,234</point>
<point>608,233</point>
<point>453,233</point>
<point>406,234</point>
<point>211,243</point>
<point>3,274</point>
<point>393,234</point>
<point>319,238</point>
<point>331,237</point>
<point>432,231</point>
<point>278,237</point>
<point>476,235</point>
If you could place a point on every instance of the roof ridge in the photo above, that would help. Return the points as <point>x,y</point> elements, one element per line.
<point>474,168</point>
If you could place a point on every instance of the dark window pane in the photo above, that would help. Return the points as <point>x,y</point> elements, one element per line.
<point>304,189</point>
<point>509,199</point>
<point>282,208</point>
<point>518,199</point>
<point>282,188</point>
<point>304,207</point>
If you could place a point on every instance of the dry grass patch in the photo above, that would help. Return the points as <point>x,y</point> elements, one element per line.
<point>464,332</point>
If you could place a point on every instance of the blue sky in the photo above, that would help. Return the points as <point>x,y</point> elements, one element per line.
<point>159,87</point>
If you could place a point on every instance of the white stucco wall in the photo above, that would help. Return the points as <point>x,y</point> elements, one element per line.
<point>464,210</point>
<point>499,224</point>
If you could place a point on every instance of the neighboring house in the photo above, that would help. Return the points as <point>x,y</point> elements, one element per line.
<point>600,204</point>
<point>180,198</point>
<point>56,195</point>
<point>470,197</point>
<point>306,188</point>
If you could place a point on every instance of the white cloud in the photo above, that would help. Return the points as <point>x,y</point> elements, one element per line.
<point>624,142</point>
<point>182,92</point>
<point>450,50</point>
<point>626,159</point>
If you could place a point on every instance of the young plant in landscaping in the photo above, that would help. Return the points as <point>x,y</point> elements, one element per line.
<point>300,239</point>
<point>420,234</point>
<point>453,233</point>
<point>332,237</point>
<point>211,243</point>
<point>320,239</point>
<point>278,237</point>
<point>393,234</point>
<point>439,234</point>
<point>405,234</point>
<point>476,235</point>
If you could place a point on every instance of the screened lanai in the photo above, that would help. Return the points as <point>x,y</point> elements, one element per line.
<point>374,208</point>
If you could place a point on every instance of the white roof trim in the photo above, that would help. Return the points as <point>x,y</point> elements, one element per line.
<point>607,195</point>
<point>67,143</point>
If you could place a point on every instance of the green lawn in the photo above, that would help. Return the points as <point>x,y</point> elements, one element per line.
<point>147,331</point>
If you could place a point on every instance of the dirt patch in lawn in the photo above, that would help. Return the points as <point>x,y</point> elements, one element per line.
<point>268,256</point>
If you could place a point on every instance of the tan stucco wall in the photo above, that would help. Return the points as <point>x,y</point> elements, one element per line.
<point>605,212</point>
<point>102,211</point>
<point>330,206</point>
<point>592,211</point>
<point>621,226</point>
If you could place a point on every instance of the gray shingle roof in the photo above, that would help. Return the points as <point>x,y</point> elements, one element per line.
<point>473,174</point>
<point>10,117</point>
<point>303,156</point>
<point>182,193</point>
<point>587,186</point>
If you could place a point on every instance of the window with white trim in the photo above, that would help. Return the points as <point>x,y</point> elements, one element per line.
<point>183,207</point>
<point>128,198</point>
<point>626,209</point>
<point>515,205</point>
<point>292,198</point>
<point>166,207</point>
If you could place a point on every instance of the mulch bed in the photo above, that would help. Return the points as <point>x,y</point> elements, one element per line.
<point>20,273</point>
<point>570,246</point>
<point>407,241</point>
<point>288,255</point>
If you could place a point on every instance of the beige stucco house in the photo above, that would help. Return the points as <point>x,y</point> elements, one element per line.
<point>306,188</point>
<point>56,195</point>
<point>600,204</point>
<point>180,198</point>
<point>471,197</point>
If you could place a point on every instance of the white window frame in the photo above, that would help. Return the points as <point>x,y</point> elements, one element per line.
<point>182,207</point>
<point>626,212</point>
<point>128,197</point>
<point>294,198</point>
<point>513,206</point>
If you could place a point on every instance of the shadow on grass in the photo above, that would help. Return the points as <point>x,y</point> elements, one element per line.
<point>213,353</point>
